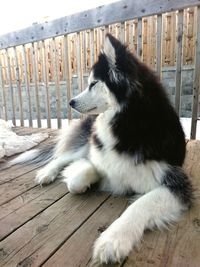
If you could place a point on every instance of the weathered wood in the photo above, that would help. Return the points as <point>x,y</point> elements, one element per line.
<point>27,84</point>
<point>11,91</point>
<point>68,75</point>
<point>196,84</point>
<point>139,38</point>
<point>91,48</point>
<point>30,209</point>
<point>179,54</point>
<point>47,231</point>
<point>44,226</point>
<point>3,94</point>
<point>57,83</point>
<point>45,77</point>
<point>159,46</point>
<point>19,89</point>
<point>19,185</point>
<point>79,62</point>
<point>122,32</point>
<point>35,80</point>
<point>87,234</point>
<point>93,18</point>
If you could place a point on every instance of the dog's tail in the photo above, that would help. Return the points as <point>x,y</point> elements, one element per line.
<point>34,156</point>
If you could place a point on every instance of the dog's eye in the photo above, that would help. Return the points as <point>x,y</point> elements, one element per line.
<point>92,84</point>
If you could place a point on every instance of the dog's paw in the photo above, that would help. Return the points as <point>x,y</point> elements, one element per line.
<point>111,247</point>
<point>45,176</point>
<point>75,185</point>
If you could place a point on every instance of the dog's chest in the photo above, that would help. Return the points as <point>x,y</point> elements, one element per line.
<point>119,172</point>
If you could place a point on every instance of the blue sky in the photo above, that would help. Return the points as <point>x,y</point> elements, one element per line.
<point>18,14</point>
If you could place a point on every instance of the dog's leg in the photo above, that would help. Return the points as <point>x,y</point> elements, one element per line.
<point>49,173</point>
<point>79,176</point>
<point>158,207</point>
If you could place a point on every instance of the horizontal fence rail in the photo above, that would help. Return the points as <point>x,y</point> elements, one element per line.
<point>61,53</point>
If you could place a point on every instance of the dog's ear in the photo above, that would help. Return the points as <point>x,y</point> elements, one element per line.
<point>109,49</point>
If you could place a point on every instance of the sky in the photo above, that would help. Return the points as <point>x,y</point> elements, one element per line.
<point>18,14</point>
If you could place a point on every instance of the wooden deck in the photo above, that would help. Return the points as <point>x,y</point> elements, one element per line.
<point>47,226</point>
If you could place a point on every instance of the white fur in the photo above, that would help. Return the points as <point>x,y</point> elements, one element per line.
<point>49,173</point>
<point>120,171</point>
<point>109,51</point>
<point>79,176</point>
<point>26,156</point>
<point>116,172</point>
<point>155,208</point>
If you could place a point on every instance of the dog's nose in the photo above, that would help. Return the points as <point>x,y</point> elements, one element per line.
<point>72,103</point>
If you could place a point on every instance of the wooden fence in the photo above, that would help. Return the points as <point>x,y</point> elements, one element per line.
<point>92,40</point>
<point>162,33</point>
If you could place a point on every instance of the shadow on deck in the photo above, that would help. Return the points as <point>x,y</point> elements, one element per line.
<point>47,226</point>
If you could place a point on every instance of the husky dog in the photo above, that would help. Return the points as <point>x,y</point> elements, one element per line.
<point>132,143</point>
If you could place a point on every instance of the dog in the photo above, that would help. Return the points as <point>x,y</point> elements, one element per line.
<point>131,142</point>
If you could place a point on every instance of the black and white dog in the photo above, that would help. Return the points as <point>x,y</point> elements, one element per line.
<point>135,145</point>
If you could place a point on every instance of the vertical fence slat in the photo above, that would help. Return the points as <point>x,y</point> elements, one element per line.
<point>3,93</point>
<point>67,75</point>
<point>196,83</point>
<point>179,54</point>
<point>57,82</point>
<point>122,32</point>
<point>79,62</point>
<point>10,87</point>
<point>35,82</point>
<point>27,84</point>
<point>46,84</point>
<point>159,45</point>
<point>19,89</point>
<point>139,38</point>
<point>91,48</point>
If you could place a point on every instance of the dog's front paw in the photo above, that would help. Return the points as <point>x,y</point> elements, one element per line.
<point>111,247</point>
<point>75,185</point>
<point>45,176</point>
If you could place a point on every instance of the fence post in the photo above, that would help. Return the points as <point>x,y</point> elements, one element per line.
<point>179,54</point>
<point>196,83</point>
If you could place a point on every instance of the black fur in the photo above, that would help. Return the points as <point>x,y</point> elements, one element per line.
<point>147,124</point>
<point>178,183</point>
<point>97,141</point>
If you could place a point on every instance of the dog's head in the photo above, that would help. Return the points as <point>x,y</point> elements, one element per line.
<point>110,80</point>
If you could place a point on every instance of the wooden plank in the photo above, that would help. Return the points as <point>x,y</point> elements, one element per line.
<point>19,89</point>
<point>87,234</point>
<point>41,236</point>
<point>179,55</point>
<point>122,32</point>
<point>46,83</point>
<point>3,94</point>
<point>196,84</point>
<point>11,90</point>
<point>139,38</point>
<point>42,198</point>
<point>159,46</point>
<point>91,48</point>
<point>27,85</point>
<point>57,83</point>
<point>68,75</point>
<point>93,18</point>
<point>177,247</point>
<point>79,62</point>
<point>35,80</point>
<point>19,185</point>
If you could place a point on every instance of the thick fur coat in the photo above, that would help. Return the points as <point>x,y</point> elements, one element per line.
<point>132,143</point>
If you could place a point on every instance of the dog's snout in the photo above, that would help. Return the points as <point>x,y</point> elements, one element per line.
<point>72,103</point>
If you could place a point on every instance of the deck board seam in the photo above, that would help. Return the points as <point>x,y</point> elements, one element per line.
<point>75,230</point>
<point>35,215</point>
